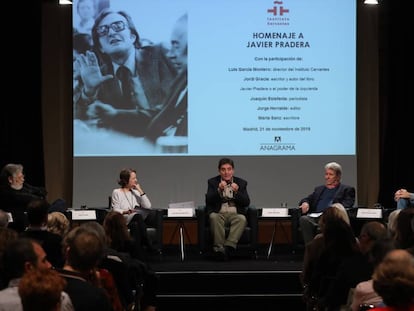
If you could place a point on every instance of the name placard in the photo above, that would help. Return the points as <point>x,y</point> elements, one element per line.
<point>369,213</point>
<point>83,215</point>
<point>187,204</point>
<point>180,212</point>
<point>275,212</point>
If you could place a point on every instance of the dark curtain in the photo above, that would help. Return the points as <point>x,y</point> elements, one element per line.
<point>21,113</point>
<point>396,101</point>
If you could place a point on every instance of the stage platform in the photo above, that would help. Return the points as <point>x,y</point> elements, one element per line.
<point>199,282</point>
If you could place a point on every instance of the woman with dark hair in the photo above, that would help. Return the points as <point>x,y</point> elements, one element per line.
<point>133,203</point>
<point>120,240</point>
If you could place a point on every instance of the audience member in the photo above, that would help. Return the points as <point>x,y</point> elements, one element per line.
<point>15,194</point>
<point>392,222</point>
<point>132,202</point>
<point>58,223</point>
<point>120,238</point>
<point>404,235</point>
<point>393,280</point>
<point>355,268</point>
<point>227,200</point>
<point>83,251</point>
<point>132,82</point>
<point>137,284</point>
<point>4,219</point>
<point>314,248</point>
<point>37,215</point>
<point>172,119</point>
<point>333,191</point>
<point>339,243</point>
<point>41,290</point>
<point>107,279</point>
<point>364,293</point>
<point>21,256</point>
<point>403,198</point>
<point>7,236</point>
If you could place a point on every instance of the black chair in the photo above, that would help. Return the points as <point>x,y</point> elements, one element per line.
<point>248,241</point>
<point>154,233</point>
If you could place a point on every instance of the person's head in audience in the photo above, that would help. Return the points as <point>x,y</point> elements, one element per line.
<point>379,249</point>
<point>12,175</point>
<point>83,250</point>
<point>4,219</point>
<point>41,290</point>
<point>336,210</point>
<point>24,255</point>
<point>116,230</point>
<point>392,222</point>
<point>404,232</point>
<point>58,223</point>
<point>37,213</point>
<point>338,235</point>
<point>7,236</point>
<point>98,228</point>
<point>178,50</point>
<point>371,231</point>
<point>393,279</point>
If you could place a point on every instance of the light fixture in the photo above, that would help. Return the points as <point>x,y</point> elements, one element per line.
<point>370,1</point>
<point>65,2</point>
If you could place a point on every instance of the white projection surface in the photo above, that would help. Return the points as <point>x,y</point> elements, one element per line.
<point>271,84</point>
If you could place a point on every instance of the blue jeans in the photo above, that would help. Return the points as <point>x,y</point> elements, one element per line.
<point>403,203</point>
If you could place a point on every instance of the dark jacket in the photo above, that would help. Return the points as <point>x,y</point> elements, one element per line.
<point>214,200</point>
<point>345,195</point>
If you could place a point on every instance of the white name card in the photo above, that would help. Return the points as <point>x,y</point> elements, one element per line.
<point>275,212</point>
<point>188,204</point>
<point>369,213</point>
<point>180,212</point>
<point>83,215</point>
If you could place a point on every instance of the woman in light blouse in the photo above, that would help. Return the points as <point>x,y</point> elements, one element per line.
<point>131,201</point>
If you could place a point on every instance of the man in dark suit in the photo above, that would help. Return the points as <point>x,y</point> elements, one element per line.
<point>227,200</point>
<point>172,119</point>
<point>128,89</point>
<point>333,191</point>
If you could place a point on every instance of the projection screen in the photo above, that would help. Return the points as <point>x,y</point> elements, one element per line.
<point>270,84</point>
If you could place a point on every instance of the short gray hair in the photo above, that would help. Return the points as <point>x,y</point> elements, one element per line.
<point>336,167</point>
<point>10,170</point>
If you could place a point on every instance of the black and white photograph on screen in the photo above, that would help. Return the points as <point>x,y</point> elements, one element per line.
<point>129,89</point>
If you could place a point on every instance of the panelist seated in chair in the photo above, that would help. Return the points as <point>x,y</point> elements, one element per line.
<point>332,191</point>
<point>132,202</point>
<point>227,200</point>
